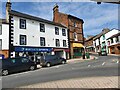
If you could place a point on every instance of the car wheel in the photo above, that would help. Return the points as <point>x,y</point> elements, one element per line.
<point>5,72</point>
<point>32,68</point>
<point>48,64</point>
<point>63,62</point>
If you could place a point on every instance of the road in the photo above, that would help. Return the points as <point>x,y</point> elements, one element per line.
<point>103,66</point>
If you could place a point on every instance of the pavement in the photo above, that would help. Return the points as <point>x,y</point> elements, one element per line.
<point>93,82</point>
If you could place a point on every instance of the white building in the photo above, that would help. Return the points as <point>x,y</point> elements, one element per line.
<point>104,37</point>
<point>4,39</point>
<point>33,35</point>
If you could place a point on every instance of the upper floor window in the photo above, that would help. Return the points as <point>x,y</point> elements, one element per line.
<point>64,43</point>
<point>0,29</point>
<point>22,24</point>
<point>75,24</point>
<point>42,41</point>
<point>22,39</point>
<point>57,42</point>
<point>0,44</point>
<point>56,30</point>
<point>42,27</point>
<point>103,37</point>
<point>111,40</point>
<point>75,35</point>
<point>63,32</point>
<point>117,39</point>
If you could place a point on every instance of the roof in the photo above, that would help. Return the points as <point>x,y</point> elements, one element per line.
<point>115,35</point>
<point>76,18</point>
<point>16,13</point>
<point>104,31</point>
<point>89,38</point>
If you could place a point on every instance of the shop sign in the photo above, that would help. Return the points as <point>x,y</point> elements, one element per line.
<point>30,49</point>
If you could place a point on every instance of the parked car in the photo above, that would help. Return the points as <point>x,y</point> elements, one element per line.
<point>16,64</point>
<point>51,60</point>
<point>35,58</point>
<point>103,53</point>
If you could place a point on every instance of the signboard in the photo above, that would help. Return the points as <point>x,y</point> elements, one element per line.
<point>32,49</point>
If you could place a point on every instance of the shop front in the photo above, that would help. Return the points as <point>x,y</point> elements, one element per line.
<point>77,50</point>
<point>31,51</point>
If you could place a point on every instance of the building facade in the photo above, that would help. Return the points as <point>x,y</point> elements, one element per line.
<point>31,35</point>
<point>113,43</point>
<point>75,31</point>
<point>89,44</point>
<point>4,39</point>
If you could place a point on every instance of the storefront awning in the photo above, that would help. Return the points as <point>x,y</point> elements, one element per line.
<point>78,45</point>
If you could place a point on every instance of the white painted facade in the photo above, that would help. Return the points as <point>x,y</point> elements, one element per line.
<point>96,43</point>
<point>5,36</point>
<point>107,35</point>
<point>33,33</point>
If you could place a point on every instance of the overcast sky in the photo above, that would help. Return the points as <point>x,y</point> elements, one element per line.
<point>96,17</point>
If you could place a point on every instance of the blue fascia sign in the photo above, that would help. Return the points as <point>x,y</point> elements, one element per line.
<point>32,49</point>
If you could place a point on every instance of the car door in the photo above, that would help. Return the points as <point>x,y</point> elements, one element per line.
<point>25,64</point>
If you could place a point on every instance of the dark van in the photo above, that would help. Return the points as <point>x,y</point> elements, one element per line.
<point>16,64</point>
<point>49,60</point>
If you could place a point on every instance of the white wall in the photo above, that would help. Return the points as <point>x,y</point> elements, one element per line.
<point>33,34</point>
<point>5,36</point>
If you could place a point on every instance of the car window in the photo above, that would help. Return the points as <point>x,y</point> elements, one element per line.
<point>13,60</point>
<point>24,60</point>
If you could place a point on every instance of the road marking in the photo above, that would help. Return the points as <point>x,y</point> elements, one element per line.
<point>117,62</point>
<point>89,65</point>
<point>103,63</point>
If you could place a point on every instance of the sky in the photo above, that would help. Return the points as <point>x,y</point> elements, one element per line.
<point>95,17</point>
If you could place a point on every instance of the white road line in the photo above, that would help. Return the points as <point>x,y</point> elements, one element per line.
<point>89,65</point>
<point>103,63</point>
<point>117,62</point>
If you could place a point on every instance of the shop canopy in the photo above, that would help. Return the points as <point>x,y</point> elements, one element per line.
<point>78,45</point>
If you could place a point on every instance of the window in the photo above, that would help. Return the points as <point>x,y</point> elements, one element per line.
<point>24,60</point>
<point>63,32</point>
<point>75,24</point>
<point>0,44</point>
<point>42,27</point>
<point>22,24</point>
<point>56,30</point>
<point>111,40</point>
<point>57,42</point>
<point>22,39</point>
<point>13,61</point>
<point>0,29</point>
<point>75,35</point>
<point>42,41</point>
<point>117,39</point>
<point>103,37</point>
<point>64,43</point>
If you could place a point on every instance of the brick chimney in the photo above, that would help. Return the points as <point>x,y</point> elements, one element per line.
<point>8,9</point>
<point>55,13</point>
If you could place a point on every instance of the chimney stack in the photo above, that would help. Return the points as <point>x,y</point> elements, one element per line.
<point>8,9</point>
<point>55,12</point>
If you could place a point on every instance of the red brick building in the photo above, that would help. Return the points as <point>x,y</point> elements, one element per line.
<point>75,28</point>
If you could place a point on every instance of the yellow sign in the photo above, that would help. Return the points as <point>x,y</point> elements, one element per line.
<point>78,45</point>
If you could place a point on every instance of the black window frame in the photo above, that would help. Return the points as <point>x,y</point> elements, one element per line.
<point>64,43</point>
<point>0,29</point>
<point>1,44</point>
<point>25,40</point>
<point>57,42</point>
<point>42,41</point>
<point>23,20</point>
<point>56,31</point>
<point>63,32</point>
<point>42,27</point>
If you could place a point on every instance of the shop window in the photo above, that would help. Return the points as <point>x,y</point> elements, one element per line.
<point>63,32</point>
<point>57,42</point>
<point>22,24</point>
<point>0,29</point>
<point>22,39</point>
<point>42,27</point>
<point>42,41</point>
<point>56,30</point>
<point>64,43</point>
<point>0,44</point>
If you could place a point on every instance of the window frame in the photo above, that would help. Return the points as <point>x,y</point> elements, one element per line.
<point>0,29</point>
<point>42,41</point>
<point>24,41</point>
<point>63,32</point>
<point>42,29</point>
<point>64,43</point>
<point>56,31</point>
<point>57,42</point>
<point>21,23</point>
